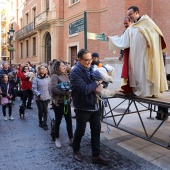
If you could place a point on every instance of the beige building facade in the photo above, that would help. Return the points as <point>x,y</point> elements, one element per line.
<point>7,18</point>
<point>43,28</point>
<point>4,54</point>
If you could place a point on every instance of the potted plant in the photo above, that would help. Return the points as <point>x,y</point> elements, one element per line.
<point>11,49</point>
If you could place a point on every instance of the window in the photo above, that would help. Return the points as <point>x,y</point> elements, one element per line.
<point>27,49</point>
<point>34,46</point>
<point>21,50</point>
<point>33,13</point>
<point>21,23</point>
<point>47,4</point>
<point>26,18</point>
<point>73,1</point>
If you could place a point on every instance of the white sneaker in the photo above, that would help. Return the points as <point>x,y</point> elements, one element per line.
<point>58,143</point>
<point>11,118</point>
<point>5,118</point>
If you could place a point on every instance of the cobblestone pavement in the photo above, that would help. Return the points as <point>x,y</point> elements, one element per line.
<point>25,146</point>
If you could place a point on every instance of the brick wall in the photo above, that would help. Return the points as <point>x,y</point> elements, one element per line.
<point>107,17</point>
<point>103,16</point>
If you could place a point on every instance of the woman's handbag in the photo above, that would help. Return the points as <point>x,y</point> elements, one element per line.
<point>4,100</point>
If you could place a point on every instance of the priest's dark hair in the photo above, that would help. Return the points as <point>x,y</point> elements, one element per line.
<point>135,8</point>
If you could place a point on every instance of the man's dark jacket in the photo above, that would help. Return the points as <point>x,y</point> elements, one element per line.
<point>83,88</point>
<point>3,71</point>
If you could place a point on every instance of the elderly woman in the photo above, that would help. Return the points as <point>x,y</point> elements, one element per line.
<point>60,98</point>
<point>41,94</point>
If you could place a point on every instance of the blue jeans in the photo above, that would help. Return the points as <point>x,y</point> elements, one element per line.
<point>82,117</point>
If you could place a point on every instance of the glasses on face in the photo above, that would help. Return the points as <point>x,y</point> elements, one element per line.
<point>87,60</point>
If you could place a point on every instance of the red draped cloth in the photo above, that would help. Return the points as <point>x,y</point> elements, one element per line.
<point>125,70</point>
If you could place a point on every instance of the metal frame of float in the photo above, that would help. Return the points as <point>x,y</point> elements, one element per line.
<point>151,107</point>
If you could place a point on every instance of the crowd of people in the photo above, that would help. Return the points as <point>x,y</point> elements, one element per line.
<point>51,83</point>
<point>59,83</point>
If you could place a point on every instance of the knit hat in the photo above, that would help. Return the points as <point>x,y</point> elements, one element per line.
<point>95,55</point>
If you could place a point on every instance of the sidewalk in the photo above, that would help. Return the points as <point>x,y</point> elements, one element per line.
<point>124,142</point>
<point>25,146</point>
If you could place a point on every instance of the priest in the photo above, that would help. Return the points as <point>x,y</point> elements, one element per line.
<point>146,73</point>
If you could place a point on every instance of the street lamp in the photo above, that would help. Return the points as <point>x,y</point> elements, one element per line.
<point>10,38</point>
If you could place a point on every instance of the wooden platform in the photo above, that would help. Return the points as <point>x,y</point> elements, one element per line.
<point>163,100</point>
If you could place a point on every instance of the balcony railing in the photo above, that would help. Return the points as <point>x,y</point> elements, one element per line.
<point>41,18</point>
<point>3,18</point>
<point>3,43</point>
<point>3,31</point>
<point>25,30</point>
<point>4,58</point>
<point>3,53</point>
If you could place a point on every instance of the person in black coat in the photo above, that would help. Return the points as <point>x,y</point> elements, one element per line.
<point>7,91</point>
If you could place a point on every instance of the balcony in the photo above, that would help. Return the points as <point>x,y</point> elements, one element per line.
<point>3,53</point>
<point>42,20</point>
<point>3,43</point>
<point>3,19</point>
<point>26,31</point>
<point>3,32</point>
<point>4,58</point>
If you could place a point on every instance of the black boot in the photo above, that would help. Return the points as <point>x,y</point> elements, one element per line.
<point>162,113</point>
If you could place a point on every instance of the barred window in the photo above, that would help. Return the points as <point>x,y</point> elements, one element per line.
<point>47,4</point>
<point>21,50</point>
<point>34,46</point>
<point>73,1</point>
<point>26,18</point>
<point>27,48</point>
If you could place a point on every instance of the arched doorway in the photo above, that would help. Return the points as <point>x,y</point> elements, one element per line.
<point>47,48</point>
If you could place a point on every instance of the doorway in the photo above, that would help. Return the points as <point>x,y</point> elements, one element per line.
<point>73,54</point>
<point>47,48</point>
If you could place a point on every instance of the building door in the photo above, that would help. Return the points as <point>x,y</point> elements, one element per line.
<point>73,54</point>
<point>47,48</point>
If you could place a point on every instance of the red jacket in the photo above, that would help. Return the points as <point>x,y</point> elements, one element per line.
<point>25,83</point>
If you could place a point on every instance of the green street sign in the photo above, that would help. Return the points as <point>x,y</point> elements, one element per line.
<point>76,26</point>
<point>94,36</point>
